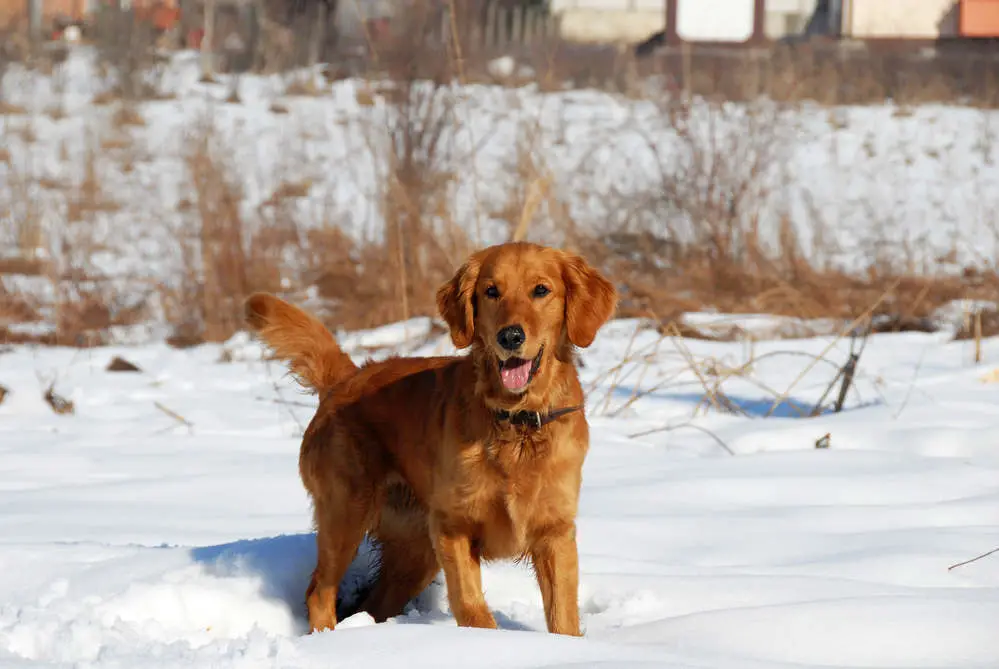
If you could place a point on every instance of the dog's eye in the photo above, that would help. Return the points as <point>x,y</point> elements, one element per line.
<point>492,292</point>
<point>541,290</point>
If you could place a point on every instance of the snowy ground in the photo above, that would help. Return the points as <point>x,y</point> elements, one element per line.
<point>915,185</point>
<point>128,539</point>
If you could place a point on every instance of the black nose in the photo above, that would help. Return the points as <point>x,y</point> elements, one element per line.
<point>511,337</point>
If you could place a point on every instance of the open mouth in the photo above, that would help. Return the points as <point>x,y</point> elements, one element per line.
<point>516,373</point>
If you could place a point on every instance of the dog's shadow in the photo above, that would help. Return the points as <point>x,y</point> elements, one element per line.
<point>284,564</point>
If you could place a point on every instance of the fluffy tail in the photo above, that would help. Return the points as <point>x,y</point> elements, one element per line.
<point>314,357</point>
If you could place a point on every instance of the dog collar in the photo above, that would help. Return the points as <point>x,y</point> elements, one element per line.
<point>534,419</point>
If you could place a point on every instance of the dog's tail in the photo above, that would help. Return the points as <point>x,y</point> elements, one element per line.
<point>314,357</point>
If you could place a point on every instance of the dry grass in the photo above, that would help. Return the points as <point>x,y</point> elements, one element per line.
<point>288,190</point>
<point>10,109</point>
<point>691,238</point>
<point>89,197</point>
<point>979,324</point>
<point>217,273</point>
<point>105,98</point>
<point>15,308</point>
<point>227,253</point>
<point>82,307</point>
<point>126,115</point>
<point>303,86</point>
<point>829,74</point>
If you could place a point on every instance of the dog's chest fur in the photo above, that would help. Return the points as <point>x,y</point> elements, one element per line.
<point>502,494</point>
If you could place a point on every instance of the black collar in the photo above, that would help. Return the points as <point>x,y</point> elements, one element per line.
<point>534,419</point>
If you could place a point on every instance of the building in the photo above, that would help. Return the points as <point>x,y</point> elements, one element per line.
<point>742,21</point>
<point>749,20</point>
<point>627,21</point>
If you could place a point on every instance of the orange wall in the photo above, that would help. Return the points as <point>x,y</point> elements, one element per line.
<point>17,9</point>
<point>980,18</point>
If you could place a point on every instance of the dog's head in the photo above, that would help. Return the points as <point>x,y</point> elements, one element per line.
<point>524,304</point>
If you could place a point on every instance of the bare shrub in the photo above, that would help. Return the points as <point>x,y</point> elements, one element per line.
<point>219,277</point>
<point>224,255</point>
<point>703,221</point>
<point>693,211</point>
<point>698,218</point>
<point>14,308</point>
<point>88,309</point>
<point>413,142</point>
<point>419,230</point>
<point>21,211</point>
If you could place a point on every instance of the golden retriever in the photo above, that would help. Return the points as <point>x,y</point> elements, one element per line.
<point>448,461</point>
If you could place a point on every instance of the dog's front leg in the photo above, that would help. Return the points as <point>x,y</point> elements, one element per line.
<point>556,564</point>
<point>462,572</point>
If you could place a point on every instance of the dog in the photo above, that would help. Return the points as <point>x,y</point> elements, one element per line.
<point>449,461</point>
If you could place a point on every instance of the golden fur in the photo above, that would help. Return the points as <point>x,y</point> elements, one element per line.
<point>411,451</point>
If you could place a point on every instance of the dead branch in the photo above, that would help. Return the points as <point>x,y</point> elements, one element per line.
<point>717,398</point>
<point>176,416</point>
<point>846,372</point>
<point>849,369</point>
<point>670,428</point>
<point>850,328</point>
<point>974,559</point>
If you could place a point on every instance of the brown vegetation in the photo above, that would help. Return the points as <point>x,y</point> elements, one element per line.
<point>671,246</point>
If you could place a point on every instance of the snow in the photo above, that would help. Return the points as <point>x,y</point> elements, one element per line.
<point>132,539</point>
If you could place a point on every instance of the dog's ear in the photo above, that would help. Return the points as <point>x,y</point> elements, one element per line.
<point>590,299</point>
<point>456,303</point>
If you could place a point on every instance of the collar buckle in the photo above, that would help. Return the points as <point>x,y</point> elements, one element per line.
<point>532,419</point>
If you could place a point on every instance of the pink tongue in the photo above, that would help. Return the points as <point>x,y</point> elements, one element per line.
<point>514,375</point>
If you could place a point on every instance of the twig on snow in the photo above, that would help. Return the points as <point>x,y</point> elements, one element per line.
<point>912,384</point>
<point>176,416</point>
<point>617,370</point>
<point>974,559</point>
<point>846,372</point>
<point>850,368</point>
<point>640,352</point>
<point>832,384</point>
<point>714,395</point>
<point>849,328</point>
<point>670,428</point>
<point>282,401</point>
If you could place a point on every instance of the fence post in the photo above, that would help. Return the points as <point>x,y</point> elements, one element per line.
<point>318,32</point>
<point>208,42</point>
<point>250,24</point>
<point>446,37</point>
<point>35,19</point>
<point>490,27</point>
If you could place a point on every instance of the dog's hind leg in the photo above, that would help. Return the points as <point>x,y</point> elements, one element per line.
<point>341,523</point>
<point>408,561</point>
